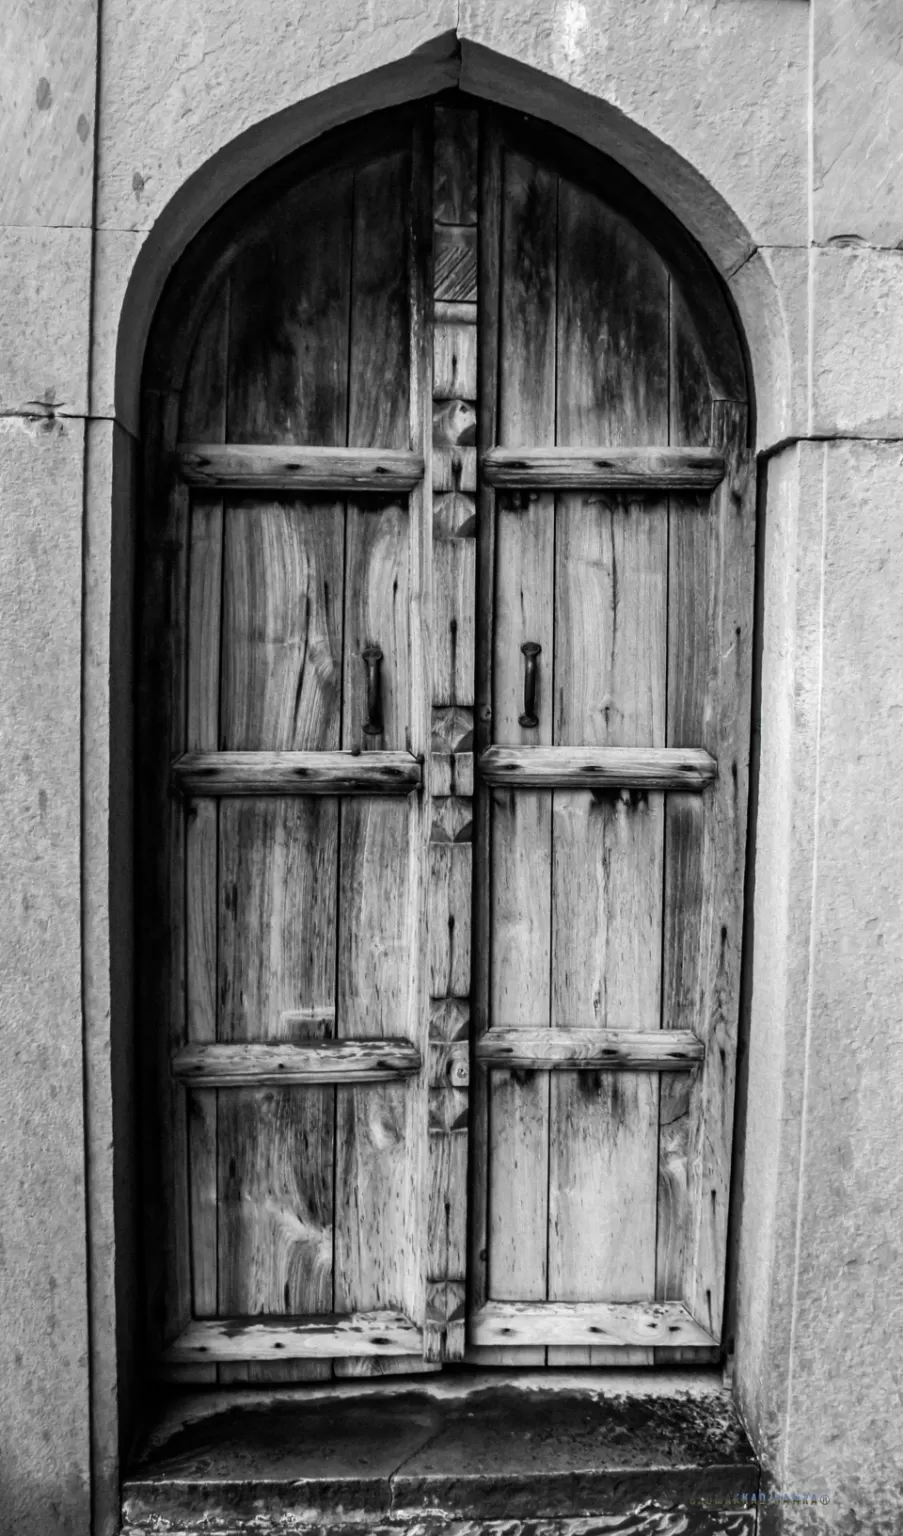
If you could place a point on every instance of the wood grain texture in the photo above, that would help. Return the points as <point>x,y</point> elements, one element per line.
<point>606,1050</point>
<point>220,774</point>
<point>588,1324</point>
<point>521,838</point>
<point>450,866</point>
<point>272,1064</point>
<point>455,265</point>
<point>454,361</point>
<point>452,820</point>
<point>449,1065</point>
<point>603,468</point>
<point>282,627</point>
<point>161,659</point>
<point>610,671</point>
<point>454,516</point>
<point>330,1335</point>
<point>709,690</point>
<point>454,466</point>
<point>606,769</point>
<point>277,968</point>
<point>256,467</point>
<point>444,1333</point>
<point>289,331</point>
<point>450,870</point>
<point>203,414</point>
<point>455,165</point>
<point>488,319</point>
<point>377,879</point>
<point>454,621</point>
<point>282,668</point>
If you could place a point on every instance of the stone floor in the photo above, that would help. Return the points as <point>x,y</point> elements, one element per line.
<point>508,1453</point>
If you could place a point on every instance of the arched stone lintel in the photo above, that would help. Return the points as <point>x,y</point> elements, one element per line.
<point>447,61</point>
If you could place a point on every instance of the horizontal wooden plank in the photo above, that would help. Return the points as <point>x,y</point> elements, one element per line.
<point>614,768</point>
<point>621,1324</point>
<point>262,1064</point>
<point>296,773</point>
<point>323,1336</point>
<point>612,469</point>
<point>455,312</point>
<point>602,1050</point>
<point>254,467</point>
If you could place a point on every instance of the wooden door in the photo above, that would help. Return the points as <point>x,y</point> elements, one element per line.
<point>286,718</point>
<point>352,840</point>
<point>616,533</point>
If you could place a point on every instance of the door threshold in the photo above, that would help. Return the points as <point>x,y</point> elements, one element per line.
<point>561,1448</point>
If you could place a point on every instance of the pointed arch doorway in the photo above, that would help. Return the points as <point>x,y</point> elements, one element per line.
<point>446,613</point>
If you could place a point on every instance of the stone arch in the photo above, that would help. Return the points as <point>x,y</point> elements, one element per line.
<point>659,169</point>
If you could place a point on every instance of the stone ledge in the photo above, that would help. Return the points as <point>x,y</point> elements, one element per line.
<point>505,1456</point>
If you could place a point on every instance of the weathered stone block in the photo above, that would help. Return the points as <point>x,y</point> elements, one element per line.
<point>850,1267</point>
<point>857,340</point>
<point>115,254</point>
<point>824,1179</point>
<point>45,277</point>
<point>857,121</point>
<point>723,85</point>
<point>206,74</point>
<point>44,1419</point>
<point>48,71</point>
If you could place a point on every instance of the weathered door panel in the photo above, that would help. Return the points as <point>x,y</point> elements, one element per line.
<point>593,897</point>
<point>304,912</point>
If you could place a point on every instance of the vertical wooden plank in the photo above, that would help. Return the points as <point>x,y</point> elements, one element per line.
<point>161,873</point>
<point>481,718</point>
<point>282,628</point>
<point>281,688</point>
<point>204,420</point>
<point>521,850</point>
<point>450,874</point>
<point>276,981</point>
<point>288,339</point>
<point>690,389</point>
<point>419,268</point>
<point>455,166</point>
<point>377,1127</point>
<point>453,620</point>
<point>610,674</point>
<point>691,424</point>
<point>710,624</point>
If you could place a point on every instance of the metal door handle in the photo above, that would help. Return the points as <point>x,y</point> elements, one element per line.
<point>373,725</point>
<point>530,650</point>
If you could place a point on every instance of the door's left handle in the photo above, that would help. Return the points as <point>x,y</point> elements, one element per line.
<point>373,725</point>
<point>530,650</point>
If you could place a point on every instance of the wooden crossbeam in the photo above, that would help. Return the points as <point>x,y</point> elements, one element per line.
<point>606,1050</point>
<point>296,773</point>
<point>612,469</point>
<point>254,467</point>
<point>323,1336</point>
<point>613,768</point>
<point>622,1324</point>
<point>263,1064</point>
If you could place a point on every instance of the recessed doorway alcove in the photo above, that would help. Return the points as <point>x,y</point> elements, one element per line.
<point>445,585</point>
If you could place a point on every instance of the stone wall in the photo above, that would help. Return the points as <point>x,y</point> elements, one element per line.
<point>771,127</point>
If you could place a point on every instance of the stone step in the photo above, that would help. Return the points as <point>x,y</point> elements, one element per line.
<point>561,1454</point>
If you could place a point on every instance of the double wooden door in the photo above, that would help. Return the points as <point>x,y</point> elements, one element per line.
<point>447,582</point>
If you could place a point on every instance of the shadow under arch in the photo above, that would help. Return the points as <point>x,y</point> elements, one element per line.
<point>686,210</point>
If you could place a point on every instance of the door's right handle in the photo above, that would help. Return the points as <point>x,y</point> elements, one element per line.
<point>530,650</point>
<point>373,725</point>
